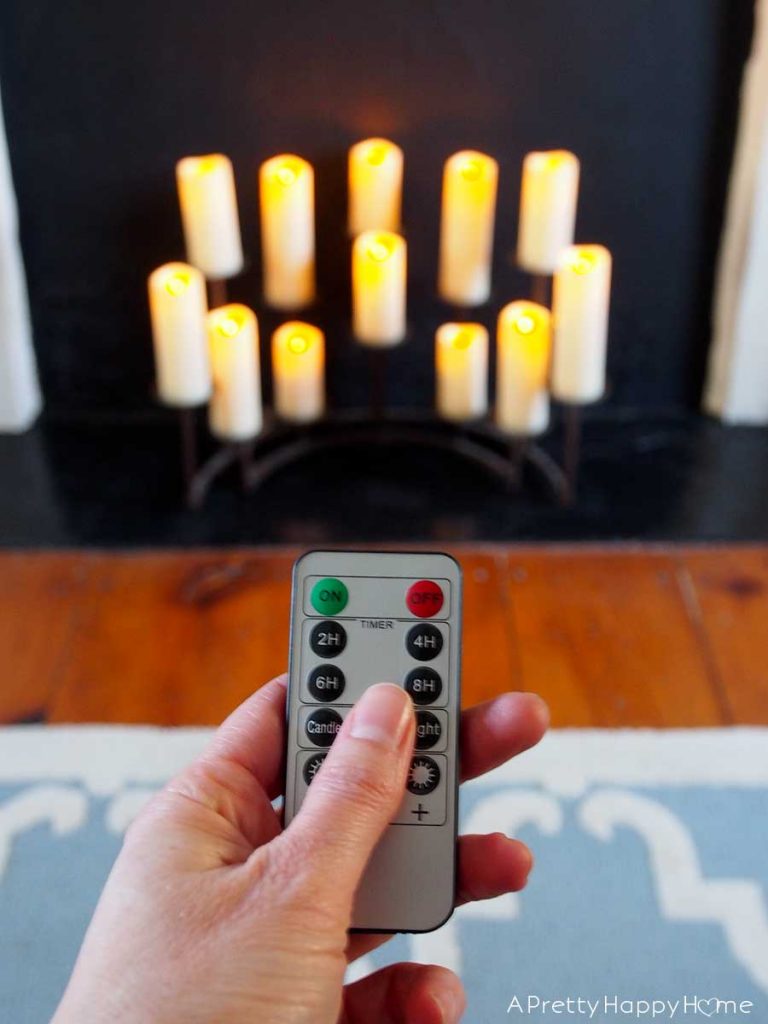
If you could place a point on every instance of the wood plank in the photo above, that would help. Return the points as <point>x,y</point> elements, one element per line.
<point>731,588</point>
<point>39,601</point>
<point>490,663</point>
<point>175,638</point>
<point>608,636</point>
<point>605,637</point>
<point>181,638</point>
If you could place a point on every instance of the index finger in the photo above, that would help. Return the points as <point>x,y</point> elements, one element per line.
<point>253,736</point>
<point>499,729</point>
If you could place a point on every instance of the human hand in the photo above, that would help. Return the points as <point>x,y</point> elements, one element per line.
<point>214,915</point>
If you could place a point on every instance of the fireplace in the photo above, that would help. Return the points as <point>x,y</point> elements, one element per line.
<point>647,99</point>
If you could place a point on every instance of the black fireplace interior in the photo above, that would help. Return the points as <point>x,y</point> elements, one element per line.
<point>100,101</point>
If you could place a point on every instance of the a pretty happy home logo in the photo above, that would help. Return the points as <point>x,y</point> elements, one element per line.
<point>635,1009</point>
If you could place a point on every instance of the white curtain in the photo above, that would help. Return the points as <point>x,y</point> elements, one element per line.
<point>737,385</point>
<point>19,391</point>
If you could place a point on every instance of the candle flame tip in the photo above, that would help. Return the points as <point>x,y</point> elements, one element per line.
<point>525,324</point>
<point>298,344</point>
<point>177,283</point>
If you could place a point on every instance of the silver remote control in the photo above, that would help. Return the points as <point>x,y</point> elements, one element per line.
<point>359,618</point>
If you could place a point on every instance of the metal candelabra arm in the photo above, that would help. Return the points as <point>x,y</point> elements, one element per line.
<point>480,442</point>
<point>279,444</point>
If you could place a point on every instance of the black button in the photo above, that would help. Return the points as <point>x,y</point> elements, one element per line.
<point>423,776</point>
<point>312,765</point>
<point>328,638</point>
<point>424,642</point>
<point>428,730</point>
<point>326,683</point>
<point>322,725</point>
<point>424,685</point>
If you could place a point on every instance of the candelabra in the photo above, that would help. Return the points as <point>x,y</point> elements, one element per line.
<point>502,456</point>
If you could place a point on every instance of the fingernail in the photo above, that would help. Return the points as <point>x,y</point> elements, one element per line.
<point>382,715</point>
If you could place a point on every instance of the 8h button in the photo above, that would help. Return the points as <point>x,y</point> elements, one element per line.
<point>424,685</point>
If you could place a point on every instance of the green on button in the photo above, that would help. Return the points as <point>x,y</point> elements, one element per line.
<point>329,596</point>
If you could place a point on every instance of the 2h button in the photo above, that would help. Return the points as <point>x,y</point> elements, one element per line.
<point>328,638</point>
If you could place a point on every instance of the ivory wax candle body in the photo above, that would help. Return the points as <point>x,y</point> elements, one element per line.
<point>206,187</point>
<point>298,372</point>
<point>375,175</point>
<point>379,265</point>
<point>522,363</point>
<point>466,228</point>
<point>461,366</point>
<point>287,200</point>
<point>548,200</point>
<point>235,410</point>
<point>580,301</point>
<point>178,308</point>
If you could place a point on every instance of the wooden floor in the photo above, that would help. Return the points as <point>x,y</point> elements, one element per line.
<point>609,636</point>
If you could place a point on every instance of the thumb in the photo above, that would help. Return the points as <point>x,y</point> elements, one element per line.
<point>358,788</point>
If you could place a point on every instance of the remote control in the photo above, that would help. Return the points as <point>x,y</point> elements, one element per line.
<point>359,618</point>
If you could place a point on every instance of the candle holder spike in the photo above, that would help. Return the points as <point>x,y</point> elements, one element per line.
<point>217,293</point>
<point>541,289</point>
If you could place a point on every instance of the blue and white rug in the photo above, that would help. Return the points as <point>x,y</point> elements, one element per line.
<point>649,900</point>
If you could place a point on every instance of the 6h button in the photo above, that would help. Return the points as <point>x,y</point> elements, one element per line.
<point>326,682</point>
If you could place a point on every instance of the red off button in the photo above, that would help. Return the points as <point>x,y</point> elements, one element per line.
<point>424,599</point>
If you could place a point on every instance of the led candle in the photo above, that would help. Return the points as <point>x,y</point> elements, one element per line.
<point>461,364</point>
<point>287,199</point>
<point>580,301</point>
<point>298,372</point>
<point>547,209</point>
<point>375,174</point>
<point>378,288</point>
<point>522,363</point>
<point>234,413</point>
<point>206,187</point>
<point>178,308</point>
<point>466,228</point>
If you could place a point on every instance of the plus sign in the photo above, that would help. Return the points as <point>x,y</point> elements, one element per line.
<point>420,811</point>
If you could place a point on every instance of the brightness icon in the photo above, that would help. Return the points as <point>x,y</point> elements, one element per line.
<point>424,775</point>
<point>312,767</point>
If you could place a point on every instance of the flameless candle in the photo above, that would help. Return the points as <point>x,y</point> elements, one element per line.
<point>461,363</point>
<point>547,209</point>
<point>287,198</point>
<point>375,186</point>
<point>523,351</point>
<point>378,288</point>
<point>298,372</point>
<point>206,187</point>
<point>178,307</point>
<point>580,301</point>
<point>234,413</point>
<point>466,228</point>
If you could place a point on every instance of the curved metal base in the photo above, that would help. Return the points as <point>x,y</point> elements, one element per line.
<point>503,457</point>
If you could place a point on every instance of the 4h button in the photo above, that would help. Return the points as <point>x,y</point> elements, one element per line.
<point>424,642</point>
